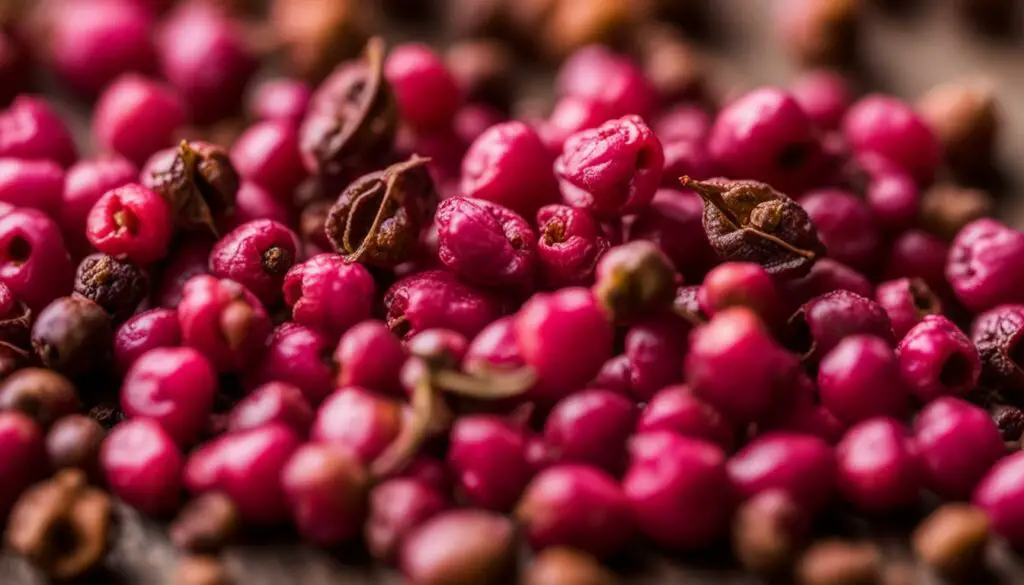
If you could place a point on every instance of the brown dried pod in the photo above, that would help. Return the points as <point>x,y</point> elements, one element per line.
<point>749,221</point>
<point>965,118</point>
<point>15,323</point>
<point>821,32</point>
<point>117,286</point>
<point>353,116</point>
<point>671,64</point>
<point>566,566</point>
<point>952,541</point>
<point>317,34</point>
<point>468,547</point>
<point>206,524</point>
<point>42,395</point>
<point>997,334</point>
<point>74,442</point>
<point>12,359</point>
<point>1009,420</point>
<point>200,185</point>
<point>945,209</point>
<point>73,336</point>
<point>377,219</point>
<point>834,562</point>
<point>61,526</point>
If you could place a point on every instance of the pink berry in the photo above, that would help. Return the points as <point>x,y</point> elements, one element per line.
<point>280,99</point>
<point>328,294</point>
<point>570,244</point>
<point>890,128</point>
<point>132,102</point>
<point>256,255</point>
<point>224,321</point>
<point>31,129</point>
<point>937,359</point>
<point>142,465</point>
<point>426,92</point>
<point>369,355</point>
<point>273,402</point>
<point>877,469</point>
<point>34,184</point>
<point>131,222</point>
<point>1001,495</point>
<point>981,266</point>
<point>509,165</point>
<point>22,457</point>
<point>86,181</point>
<point>598,74</point>
<point>485,243</point>
<point>267,154</point>
<point>358,421</point>
<point>326,492</point>
<point>296,355</point>
<point>860,379</point>
<point>34,262</point>
<point>174,386</point>
<point>956,444</point>
<point>488,460</point>
<point>801,465</point>
<point>436,298</point>
<point>676,409</point>
<point>397,507</point>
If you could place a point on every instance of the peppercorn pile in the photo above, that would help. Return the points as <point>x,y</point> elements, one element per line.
<point>380,302</point>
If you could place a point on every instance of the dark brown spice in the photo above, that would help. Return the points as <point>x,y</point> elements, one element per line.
<point>835,562</point>
<point>200,185</point>
<point>73,336</point>
<point>206,524</point>
<point>1010,421</point>
<point>119,287</point>
<point>952,540</point>
<point>965,118</point>
<point>74,442</point>
<point>566,566</point>
<point>767,534</point>
<point>825,32</point>
<point>317,34</point>
<point>42,395</point>
<point>945,209</point>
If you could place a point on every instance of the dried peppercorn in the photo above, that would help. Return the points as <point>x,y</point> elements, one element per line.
<point>206,524</point>
<point>748,221</point>
<point>73,442</point>
<point>200,185</point>
<point>952,540</point>
<point>73,336</point>
<point>42,395</point>
<point>117,286</point>
<point>945,209</point>
<point>965,118</point>
<point>1009,419</point>
<point>840,563</point>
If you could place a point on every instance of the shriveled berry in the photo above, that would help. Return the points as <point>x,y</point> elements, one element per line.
<point>131,222</point>
<point>198,182</point>
<point>143,332</point>
<point>256,255</point>
<point>328,294</point>
<point>73,336</point>
<point>119,287</point>
<point>486,243</point>
<point>937,359</point>
<point>821,323</point>
<point>570,244</point>
<point>435,298</point>
<point>981,266</point>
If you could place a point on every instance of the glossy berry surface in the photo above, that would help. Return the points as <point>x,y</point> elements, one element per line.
<point>937,359</point>
<point>488,460</point>
<point>174,387</point>
<point>877,471</point>
<point>142,465</point>
<point>131,222</point>
<point>328,294</point>
<point>860,379</point>
<point>223,320</point>
<point>485,243</point>
<point>956,444</point>
<point>296,355</point>
<point>256,255</point>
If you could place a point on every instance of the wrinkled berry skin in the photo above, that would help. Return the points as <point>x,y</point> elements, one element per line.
<point>280,99</point>
<point>85,182</point>
<point>488,460</point>
<point>73,336</point>
<point>1001,495</point>
<point>23,459</point>
<point>267,154</point>
<point>328,294</point>
<point>397,507</point>
<point>907,301</point>
<point>296,355</point>
<point>982,265</point>
<point>174,386</point>
<point>860,379</point>
<point>132,102</point>
<point>31,129</point>
<point>570,244</point>
<point>131,222</point>
<point>435,298</point>
<point>888,127</point>
<point>509,165</point>
<point>34,263</point>
<point>224,321</point>
<point>845,226</point>
<point>427,93</point>
<point>359,421</point>
<point>735,366</point>
<point>35,184</point>
<point>877,469</point>
<point>245,466</point>
<point>677,410</point>
<point>147,330</point>
<point>611,170</point>
<point>190,258</point>
<point>565,337</point>
<point>956,444</point>
<point>996,334</point>
<point>369,355</point>
<point>937,359</point>
<point>765,136</point>
<point>591,427</point>
<point>118,287</point>
<point>256,255</point>
<point>821,323</point>
<point>825,276</point>
<point>576,506</point>
<point>801,465</point>
<point>485,243</point>
<point>273,402</point>
<point>325,489</point>
<point>679,490</point>
<point>142,466</point>
<point>673,221</point>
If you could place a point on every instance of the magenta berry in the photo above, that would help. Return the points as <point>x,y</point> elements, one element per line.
<point>86,181</point>
<point>34,184</point>
<point>981,266</point>
<point>596,73</point>
<point>246,466</point>
<point>916,253</point>
<point>189,258</point>
<point>890,128</point>
<point>253,202</point>
<point>576,506</point>
<point>825,276</point>
<point>742,284</point>
<point>369,355</point>
<point>824,96</point>
<point>860,379</point>
<point>937,359</point>
<point>845,225</point>
<point>487,458</point>
<point>132,102</point>
<point>676,409</point>
<point>31,129</point>
<point>803,466</point>
<point>34,262</point>
<point>611,170</point>
<point>894,199</point>
<point>876,465</point>
<point>485,243</point>
<point>956,444</point>
<point>435,298</point>
<point>267,154</point>
<point>426,92</point>
<point>1000,495</point>
<point>653,348</point>
<point>131,222</point>
<point>679,490</point>
<point>570,244</point>
<point>297,355</point>
<point>397,507</point>
<point>358,421</point>
<point>591,427</point>
<point>685,157</point>
<point>224,321</point>
<point>509,165</point>
<point>273,402</point>
<point>174,386</point>
<point>765,136</point>
<point>280,99</point>
<point>256,255</point>
<point>328,294</point>
<point>147,330</point>
<point>907,301</point>
<point>572,115</point>
<point>24,456</point>
<point>673,222</point>
<point>683,121</point>
<point>142,465</point>
<point>473,119</point>
<point>565,337</point>
<point>822,322</point>
<point>325,489</point>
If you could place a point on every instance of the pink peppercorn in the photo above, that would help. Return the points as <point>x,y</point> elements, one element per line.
<point>358,421</point>
<point>224,321</point>
<point>473,119</point>
<point>565,337</point>
<point>397,507</point>
<point>611,170</point>
<point>132,102</point>
<point>822,322</point>
<point>803,466</point>
<point>845,226</point>
<point>486,243</point>
<point>653,347</point>
<point>267,154</point>
<point>596,73</point>
<point>572,115</point>
<point>174,386</point>
<point>22,457</point>
<point>31,129</point>
<point>246,466</point>
<point>825,276</point>
<point>297,355</point>
<point>369,355</point>
<point>131,222</point>
<point>253,202</point>
<point>34,184</point>
<point>894,199</point>
<point>982,265</point>
<point>436,298</point>
<point>679,491</point>
<point>937,359</point>
<point>677,410</point>
<point>576,506</point>
<point>686,157</point>
<point>328,294</point>
<point>143,332</point>
<point>1001,495</point>
<point>189,258</point>
<point>591,427</point>
<point>877,469</point>
<point>34,262</point>
<point>427,93</point>
<point>256,255</point>
<point>860,379</point>
<point>907,301</point>
<point>744,284</point>
<point>915,253</point>
<point>956,444</point>
<point>273,402</point>
<point>85,182</point>
<point>887,126</point>
<point>326,492</point>
<point>570,244</point>
<point>673,222</point>
<point>280,99</point>
<point>488,460</point>
<point>143,465</point>
<point>509,165</point>
<point>824,96</point>
<point>686,121</point>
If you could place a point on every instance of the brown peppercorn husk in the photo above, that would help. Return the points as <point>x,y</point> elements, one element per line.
<point>768,532</point>
<point>572,24</point>
<point>201,570</point>
<point>945,209</point>
<point>117,286</point>
<point>567,566</point>
<point>822,32</point>
<point>61,526</point>
<point>1009,420</point>
<point>15,327</point>
<point>952,541</point>
<point>965,119</point>
<point>485,69</point>
<point>74,442</point>
<point>206,524</point>
<point>73,336</point>
<point>834,562</point>
<point>316,35</point>
<point>43,395</point>
<point>200,185</point>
